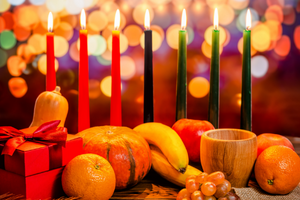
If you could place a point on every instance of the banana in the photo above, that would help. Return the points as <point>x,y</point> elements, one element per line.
<point>161,165</point>
<point>168,141</point>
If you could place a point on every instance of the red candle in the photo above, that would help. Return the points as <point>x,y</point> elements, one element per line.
<point>83,88</point>
<point>50,76</point>
<point>115,102</point>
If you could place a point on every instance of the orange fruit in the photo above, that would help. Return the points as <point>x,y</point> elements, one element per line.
<point>89,176</point>
<point>277,170</point>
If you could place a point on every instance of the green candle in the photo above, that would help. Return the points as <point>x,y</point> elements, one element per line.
<point>181,72</point>
<point>246,113</point>
<point>213,112</point>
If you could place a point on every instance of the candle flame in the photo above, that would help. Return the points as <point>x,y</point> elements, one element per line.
<point>147,20</point>
<point>248,20</point>
<point>82,19</point>
<point>183,20</point>
<point>216,19</point>
<point>50,22</point>
<point>117,20</point>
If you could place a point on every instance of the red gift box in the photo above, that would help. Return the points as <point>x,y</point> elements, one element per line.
<point>46,185</point>
<point>32,158</point>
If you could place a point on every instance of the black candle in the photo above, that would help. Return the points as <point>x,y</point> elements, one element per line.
<point>148,72</point>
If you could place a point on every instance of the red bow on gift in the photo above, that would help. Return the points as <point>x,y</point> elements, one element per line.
<point>47,132</point>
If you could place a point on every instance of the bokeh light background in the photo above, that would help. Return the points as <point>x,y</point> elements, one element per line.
<point>275,59</point>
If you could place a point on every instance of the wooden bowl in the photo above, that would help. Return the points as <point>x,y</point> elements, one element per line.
<point>232,151</point>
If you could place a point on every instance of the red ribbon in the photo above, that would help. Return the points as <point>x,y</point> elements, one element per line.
<point>46,133</point>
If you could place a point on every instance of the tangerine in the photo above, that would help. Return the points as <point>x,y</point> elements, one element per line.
<point>277,170</point>
<point>89,176</point>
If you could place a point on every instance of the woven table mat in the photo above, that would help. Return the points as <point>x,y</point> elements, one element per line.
<point>255,193</point>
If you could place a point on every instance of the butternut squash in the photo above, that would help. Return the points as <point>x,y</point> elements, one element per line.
<point>50,106</point>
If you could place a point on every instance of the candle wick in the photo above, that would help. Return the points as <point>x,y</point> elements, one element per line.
<point>248,28</point>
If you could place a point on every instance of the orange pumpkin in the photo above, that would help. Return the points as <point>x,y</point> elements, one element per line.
<point>50,106</point>
<point>128,153</point>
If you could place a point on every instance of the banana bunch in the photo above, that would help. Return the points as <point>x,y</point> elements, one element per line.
<point>169,155</point>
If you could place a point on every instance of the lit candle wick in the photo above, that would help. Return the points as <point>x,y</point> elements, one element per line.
<point>117,20</point>
<point>216,19</point>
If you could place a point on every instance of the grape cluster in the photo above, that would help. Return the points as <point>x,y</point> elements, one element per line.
<point>206,187</point>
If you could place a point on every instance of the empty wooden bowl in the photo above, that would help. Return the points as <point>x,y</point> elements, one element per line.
<point>232,151</point>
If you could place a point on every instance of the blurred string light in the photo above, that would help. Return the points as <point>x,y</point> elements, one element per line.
<point>16,65</point>
<point>105,86</point>
<point>191,35</point>
<point>275,2</point>
<point>259,66</point>
<point>180,4</point>
<point>36,41</point>
<point>42,64</point>
<point>102,61</point>
<point>226,14</point>
<point>17,87</point>
<point>96,45</point>
<point>139,13</point>
<point>61,46</point>
<point>296,37</point>
<point>101,45</point>
<point>238,4</point>
<point>4,5</point>
<point>127,68</point>
<point>289,15</point>
<point>73,52</point>
<point>26,16</point>
<point>133,34</point>
<point>215,3</point>
<point>37,2</point>
<point>3,57</point>
<point>7,40</point>
<point>65,30</point>
<point>199,87</point>
<point>274,13</point>
<point>27,23</point>
<point>97,20</point>
<point>107,55</point>
<point>94,89</point>
<point>21,33</point>
<point>261,37</point>
<point>56,5</point>
<point>16,2</point>
<point>74,7</point>
<point>283,46</point>
<point>275,28</point>
<point>108,7</point>
<point>2,24</point>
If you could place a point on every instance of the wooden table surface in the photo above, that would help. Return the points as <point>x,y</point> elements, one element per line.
<point>155,187</point>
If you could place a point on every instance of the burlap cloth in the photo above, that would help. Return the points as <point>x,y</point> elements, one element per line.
<point>255,193</point>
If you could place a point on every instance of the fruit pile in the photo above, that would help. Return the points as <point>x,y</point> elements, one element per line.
<point>206,187</point>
